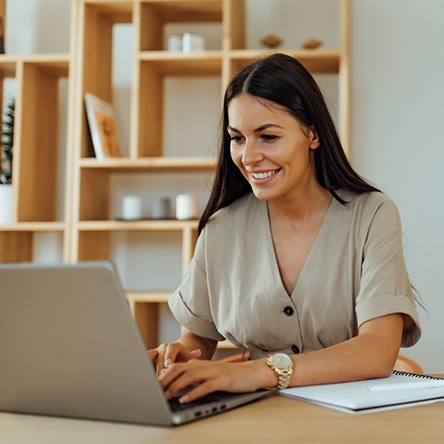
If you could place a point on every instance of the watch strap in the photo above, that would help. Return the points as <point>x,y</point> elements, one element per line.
<point>282,372</point>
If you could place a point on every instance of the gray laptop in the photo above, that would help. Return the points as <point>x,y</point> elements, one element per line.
<point>69,346</point>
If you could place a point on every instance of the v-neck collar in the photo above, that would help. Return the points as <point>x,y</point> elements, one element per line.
<point>312,253</point>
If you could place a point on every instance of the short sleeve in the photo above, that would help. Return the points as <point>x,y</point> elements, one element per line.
<point>385,287</point>
<point>190,303</point>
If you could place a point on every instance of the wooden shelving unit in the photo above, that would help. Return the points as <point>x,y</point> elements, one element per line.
<point>36,172</point>
<point>87,224</point>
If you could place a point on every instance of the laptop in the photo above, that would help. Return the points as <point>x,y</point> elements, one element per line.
<point>69,346</point>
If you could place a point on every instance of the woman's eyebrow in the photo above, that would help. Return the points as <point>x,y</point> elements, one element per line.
<point>257,130</point>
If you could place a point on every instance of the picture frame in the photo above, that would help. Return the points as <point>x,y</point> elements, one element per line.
<point>103,128</point>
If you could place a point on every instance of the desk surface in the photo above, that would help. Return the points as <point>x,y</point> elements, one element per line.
<point>272,420</point>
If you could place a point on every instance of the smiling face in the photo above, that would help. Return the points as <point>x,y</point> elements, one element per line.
<point>271,148</point>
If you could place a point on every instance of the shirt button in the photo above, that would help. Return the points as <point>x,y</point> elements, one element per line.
<point>289,311</point>
<point>295,349</point>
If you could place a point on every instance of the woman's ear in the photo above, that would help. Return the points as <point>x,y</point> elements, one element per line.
<point>313,136</point>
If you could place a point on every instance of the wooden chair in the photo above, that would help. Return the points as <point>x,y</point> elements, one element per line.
<point>402,363</point>
<point>405,364</point>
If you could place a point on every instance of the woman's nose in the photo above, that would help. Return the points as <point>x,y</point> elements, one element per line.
<point>251,154</point>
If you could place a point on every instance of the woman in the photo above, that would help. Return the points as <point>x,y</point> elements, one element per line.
<point>299,261</point>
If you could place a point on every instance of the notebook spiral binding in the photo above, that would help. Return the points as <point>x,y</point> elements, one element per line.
<point>414,375</point>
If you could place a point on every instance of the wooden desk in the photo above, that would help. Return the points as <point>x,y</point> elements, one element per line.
<point>272,420</point>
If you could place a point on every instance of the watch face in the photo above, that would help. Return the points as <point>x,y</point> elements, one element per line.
<point>281,360</point>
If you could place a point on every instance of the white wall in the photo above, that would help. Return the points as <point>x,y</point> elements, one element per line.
<point>398,95</point>
<point>398,89</point>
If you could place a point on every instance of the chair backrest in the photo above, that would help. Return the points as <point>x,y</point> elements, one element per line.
<point>405,364</point>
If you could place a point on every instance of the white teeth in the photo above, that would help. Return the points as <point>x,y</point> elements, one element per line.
<point>263,175</point>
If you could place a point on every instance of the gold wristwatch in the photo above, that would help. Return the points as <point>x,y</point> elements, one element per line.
<point>282,365</point>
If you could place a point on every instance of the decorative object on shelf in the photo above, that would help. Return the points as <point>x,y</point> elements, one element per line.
<point>186,207</point>
<point>7,142</point>
<point>102,126</point>
<point>131,208</point>
<point>187,42</point>
<point>311,43</point>
<point>6,148</point>
<point>192,42</point>
<point>161,208</point>
<point>272,41</point>
<point>175,42</point>
<point>6,202</point>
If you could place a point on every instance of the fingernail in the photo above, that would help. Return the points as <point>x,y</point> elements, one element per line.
<point>168,362</point>
<point>184,399</point>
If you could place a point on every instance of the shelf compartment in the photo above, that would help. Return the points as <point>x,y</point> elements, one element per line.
<point>96,39</point>
<point>36,170</point>
<point>150,95</point>
<point>155,15</point>
<point>98,232</point>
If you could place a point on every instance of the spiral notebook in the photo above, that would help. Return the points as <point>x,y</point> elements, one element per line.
<point>400,389</point>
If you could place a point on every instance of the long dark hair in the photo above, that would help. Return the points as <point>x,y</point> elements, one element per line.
<point>281,79</point>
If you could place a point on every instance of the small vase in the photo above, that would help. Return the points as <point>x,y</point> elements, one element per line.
<point>6,193</point>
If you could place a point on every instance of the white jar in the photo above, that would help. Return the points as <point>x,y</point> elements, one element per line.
<point>186,207</point>
<point>131,207</point>
<point>192,42</point>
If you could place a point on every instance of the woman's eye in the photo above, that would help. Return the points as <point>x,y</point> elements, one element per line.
<point>237,139</point>
<point>269,137</point>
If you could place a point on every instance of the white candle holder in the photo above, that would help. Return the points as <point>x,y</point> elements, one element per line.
<point>186,207</point>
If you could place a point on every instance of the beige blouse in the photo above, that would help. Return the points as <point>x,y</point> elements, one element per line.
<point>355,272</point>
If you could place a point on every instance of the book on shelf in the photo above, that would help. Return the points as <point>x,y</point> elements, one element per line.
<point>400,389</point>
<point>102,127</point>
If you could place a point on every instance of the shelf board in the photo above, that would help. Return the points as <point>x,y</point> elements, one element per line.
<point>210,62</point>
<point>177,63</point>
<point>138,225</point>
<point>149,297</point>
<point>315,60</point>
<point>145,164</point>
<point>34,226</point>
<point>54,63</point>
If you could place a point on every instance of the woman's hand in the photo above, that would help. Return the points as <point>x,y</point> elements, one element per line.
<point>210,376</point>
<point>164,355</point>
<point>188,346</point>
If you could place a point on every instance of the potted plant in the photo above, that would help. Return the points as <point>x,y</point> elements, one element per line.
<point>6,149</point>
